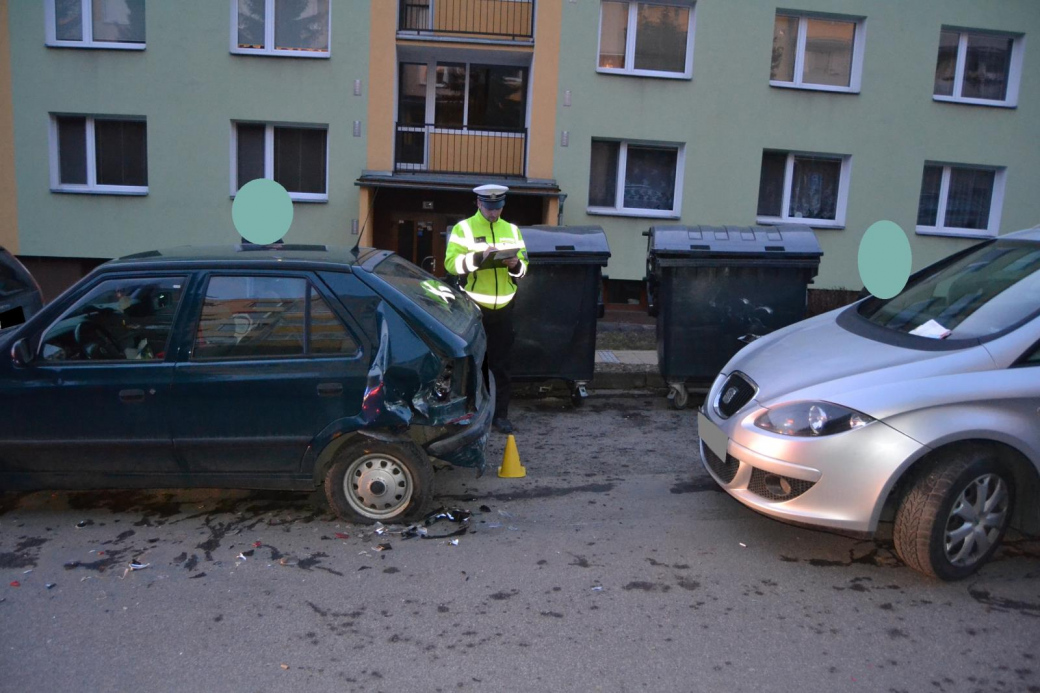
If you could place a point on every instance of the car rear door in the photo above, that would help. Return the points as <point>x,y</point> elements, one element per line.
<point>272,359</point>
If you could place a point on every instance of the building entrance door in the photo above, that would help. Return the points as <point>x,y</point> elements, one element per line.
<point>422,239</point>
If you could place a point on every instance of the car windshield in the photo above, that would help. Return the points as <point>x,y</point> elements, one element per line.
<point>449,306</point>
<point>991,289</point>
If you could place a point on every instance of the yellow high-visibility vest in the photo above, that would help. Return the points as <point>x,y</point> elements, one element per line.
<point>493,287</point>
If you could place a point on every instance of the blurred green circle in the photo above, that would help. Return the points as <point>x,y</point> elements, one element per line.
<point>262,211</point>
<point>884,259</point>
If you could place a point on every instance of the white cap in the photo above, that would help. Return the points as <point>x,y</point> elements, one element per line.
<point>494,196</point>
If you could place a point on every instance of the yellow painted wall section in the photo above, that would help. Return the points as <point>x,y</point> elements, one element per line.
<point>8,186</point>
<point>457,152</point>
<point>482,16</point>
<point>382,77</point>
<point>544,86</point>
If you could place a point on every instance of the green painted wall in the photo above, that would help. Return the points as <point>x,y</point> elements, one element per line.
<point>189,87</point>
<point>727,114</point>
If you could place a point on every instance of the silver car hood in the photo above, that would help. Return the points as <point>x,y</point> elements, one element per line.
<point>788,364</point>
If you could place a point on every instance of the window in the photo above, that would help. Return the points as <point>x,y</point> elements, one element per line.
<point>650,40</point>
<point>265,317</point>
<point>99,155</point>
<point>635,179</point>
<point>115,24</point>
<point>295,157</point>
<point>960,200</point>
<point>289,28</point>
<point>978,68</point>
<point>817,52</point>
<point>486,97</point>
<point>119,320</point>
<point>803,188</point>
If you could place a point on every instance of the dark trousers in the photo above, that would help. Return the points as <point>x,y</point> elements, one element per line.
<point>498,325</point>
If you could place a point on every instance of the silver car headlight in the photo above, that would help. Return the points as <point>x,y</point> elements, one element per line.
<point>811,419</point>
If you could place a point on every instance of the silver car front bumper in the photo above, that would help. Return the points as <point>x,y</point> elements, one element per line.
<point>839,481</point>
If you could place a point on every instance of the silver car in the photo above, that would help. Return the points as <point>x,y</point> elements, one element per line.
<point>925,405</point>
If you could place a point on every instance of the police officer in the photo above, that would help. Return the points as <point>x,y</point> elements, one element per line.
<point>489,256</point>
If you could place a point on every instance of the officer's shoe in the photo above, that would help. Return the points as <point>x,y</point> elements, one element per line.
<point>502,425</point>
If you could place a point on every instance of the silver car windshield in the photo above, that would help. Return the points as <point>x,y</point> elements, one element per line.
<point>987,291</point>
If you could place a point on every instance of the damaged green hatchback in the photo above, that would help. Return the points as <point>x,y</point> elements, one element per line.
<point>262,367</point>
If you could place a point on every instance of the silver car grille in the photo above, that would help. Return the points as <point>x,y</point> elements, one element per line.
<point>724,470</point>
<point>734,394</point>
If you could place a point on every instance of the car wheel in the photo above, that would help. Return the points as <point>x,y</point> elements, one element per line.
<point>372,481</point>
<point>952,518</point>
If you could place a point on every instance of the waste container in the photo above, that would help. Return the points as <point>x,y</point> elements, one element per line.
<point>714,289</point>
<point>557,306</point>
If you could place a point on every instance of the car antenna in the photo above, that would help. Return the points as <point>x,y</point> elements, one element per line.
<point>368,216</point>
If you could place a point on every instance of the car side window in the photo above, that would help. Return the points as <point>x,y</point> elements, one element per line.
<point>265,317</point>
<point>119,320</point>
<point>1033,358</point>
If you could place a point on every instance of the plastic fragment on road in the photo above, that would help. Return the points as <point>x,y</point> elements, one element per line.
<point>241,556</point>
<point>341,535</point>
<point>137,565</point>
<point>597,588</point>
<point>50,585</point>
<point>454,542</point>
<point>743,545</point>
<point>15,583</point>
<point>288,561</point>
<point>382,547</point>
<point>285,666</point>
<point>257,544</point>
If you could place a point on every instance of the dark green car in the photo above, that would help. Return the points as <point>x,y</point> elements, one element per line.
<point>284,367</point>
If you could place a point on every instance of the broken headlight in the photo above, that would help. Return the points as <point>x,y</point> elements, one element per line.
<point>442,386</point>
<point>810,419</point>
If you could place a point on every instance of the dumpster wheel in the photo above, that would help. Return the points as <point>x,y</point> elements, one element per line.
<point>578,394</point>
<point>678,395</point>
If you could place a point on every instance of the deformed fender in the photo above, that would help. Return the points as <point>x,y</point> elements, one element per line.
<point>396,374</point>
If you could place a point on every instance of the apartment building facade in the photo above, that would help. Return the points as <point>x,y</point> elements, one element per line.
<point>135,121</point>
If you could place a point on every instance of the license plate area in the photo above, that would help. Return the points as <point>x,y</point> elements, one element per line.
<point>713,436</point>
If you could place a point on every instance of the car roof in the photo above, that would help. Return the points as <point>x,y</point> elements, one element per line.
<point>243,255</point>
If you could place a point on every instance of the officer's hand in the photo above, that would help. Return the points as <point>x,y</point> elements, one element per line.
<point>512,262</point>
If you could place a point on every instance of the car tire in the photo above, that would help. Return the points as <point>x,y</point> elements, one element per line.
<point>373,481</point>
<point>953,517</point>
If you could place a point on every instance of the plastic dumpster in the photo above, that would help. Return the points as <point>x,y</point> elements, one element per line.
<point>714,289</point>
<point>557,306</point>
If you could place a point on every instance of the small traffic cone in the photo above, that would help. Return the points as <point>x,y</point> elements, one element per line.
<point>511,467</point>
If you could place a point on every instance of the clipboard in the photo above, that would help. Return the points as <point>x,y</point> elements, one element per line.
<point>505,253</point>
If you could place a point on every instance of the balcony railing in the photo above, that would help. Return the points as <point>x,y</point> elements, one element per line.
<point>496,19</point>
<point>456,149</point>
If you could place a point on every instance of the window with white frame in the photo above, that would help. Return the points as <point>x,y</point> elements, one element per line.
<point>296,157</point>
<point>978,67</point>
<point>94,154</point>
<point>805,188</point>
<point>291,28</point>
<point>118,24</point>
<point>636,178</point>
<point>646,39</point>
<point>960,200</point>
<point>817,52</point>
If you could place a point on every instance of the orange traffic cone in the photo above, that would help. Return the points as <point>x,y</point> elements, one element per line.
<point>511,467</point>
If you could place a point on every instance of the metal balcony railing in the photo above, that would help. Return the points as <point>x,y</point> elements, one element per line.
<point>462,150</point>
<point>497,19</point>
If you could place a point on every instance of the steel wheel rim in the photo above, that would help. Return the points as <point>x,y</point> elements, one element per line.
<point>378,486</point>
<point>976,520</point>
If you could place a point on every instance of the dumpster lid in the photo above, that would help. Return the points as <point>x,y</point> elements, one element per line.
<point>785,240</point>
<point>567,243</point>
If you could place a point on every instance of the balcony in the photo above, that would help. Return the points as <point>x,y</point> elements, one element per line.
<point>460,150</point>
<point>511,20</point>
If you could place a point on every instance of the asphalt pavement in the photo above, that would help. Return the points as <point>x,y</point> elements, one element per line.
<point>615,565</point>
